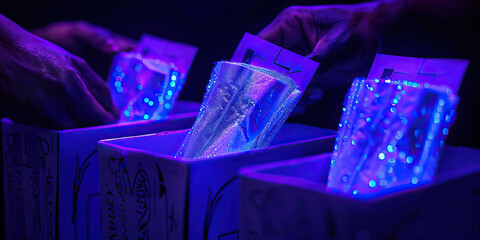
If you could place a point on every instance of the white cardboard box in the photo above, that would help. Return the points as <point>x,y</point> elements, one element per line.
<point>51,181</point>
<point>147,193</point>
<point>287,200</point>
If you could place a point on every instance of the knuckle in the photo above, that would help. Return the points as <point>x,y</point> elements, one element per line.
<point>81,25</point>
<point>79,62</point>
<point>291,14</point>
<point>292,10</point>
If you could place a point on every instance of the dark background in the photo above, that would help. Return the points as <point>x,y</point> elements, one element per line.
<point>216,27</point>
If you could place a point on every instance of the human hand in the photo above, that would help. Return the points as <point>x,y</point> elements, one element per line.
<point>93,43</point>
<point>42,84</point>
<point>342,38</point>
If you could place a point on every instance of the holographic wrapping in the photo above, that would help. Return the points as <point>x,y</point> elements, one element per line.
<point>243,109</point>
<point>389,136</point>
<point>144,88</point>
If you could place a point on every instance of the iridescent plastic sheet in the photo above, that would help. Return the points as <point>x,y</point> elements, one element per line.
<point>144,88</point>
<point>243,109</point>
<point>389,136</point>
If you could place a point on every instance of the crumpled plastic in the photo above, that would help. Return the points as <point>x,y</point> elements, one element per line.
<point>389,136</point>
<point>144,88</point>
<point>243,109</point>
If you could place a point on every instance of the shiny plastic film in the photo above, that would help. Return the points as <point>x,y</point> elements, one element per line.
<point>243,109</point>
<point>144,88</point>
<point>389,136</point>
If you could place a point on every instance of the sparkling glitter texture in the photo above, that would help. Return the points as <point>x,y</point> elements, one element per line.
<point>144,88</point>
<point>243,109</point>
<point>389,136</point>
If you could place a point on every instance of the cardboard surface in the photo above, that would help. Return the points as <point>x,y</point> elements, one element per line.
<point>51,177</point>
<point>287,200</point>
<point>147,192</point>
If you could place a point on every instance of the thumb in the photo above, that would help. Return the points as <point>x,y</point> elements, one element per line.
<point>330,44</point>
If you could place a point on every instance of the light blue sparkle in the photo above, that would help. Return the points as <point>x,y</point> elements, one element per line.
<point>146,116</point>
<point>414,180</point>
<point>445,131</point>
<point>150,103</point>
<point>167,105</point>
<point>417,132</point>
<point>390,148</point>
<point>441,102</point>
<point>372,183</point>
<point>172,84</point>
<point>146,100</point>
<point>423,111</point>
<point>448,118</point>
<point>381,156</point>
<point>436,118</point>
<point>118,84</point>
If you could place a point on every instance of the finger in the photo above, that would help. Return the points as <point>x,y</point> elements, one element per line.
<point>95,85</point>
<point>342,60</point>
<point>85,108</point>
<point>289,30</point>
<point>88,112</point>
<point>102,39</point>
<point>50,114</point>
<point>57,114</point>
<point>330,43</point>
<point>125,44</point>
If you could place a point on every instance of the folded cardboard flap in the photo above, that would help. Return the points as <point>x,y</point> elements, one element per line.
<point>311,172</point>
<point>167,143</point>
